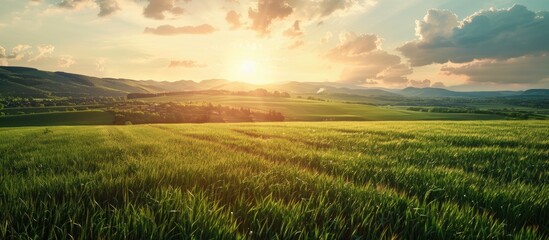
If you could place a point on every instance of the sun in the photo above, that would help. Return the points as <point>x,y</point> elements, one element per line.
<point>248,67</point>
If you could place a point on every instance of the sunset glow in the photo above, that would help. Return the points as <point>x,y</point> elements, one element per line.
<point>362,42</point>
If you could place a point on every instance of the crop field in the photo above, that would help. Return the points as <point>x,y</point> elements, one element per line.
<point>333,180</point>
<point>300,109</point>
<point>89,117</point>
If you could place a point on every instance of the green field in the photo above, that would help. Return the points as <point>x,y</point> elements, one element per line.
<point>299,109</point>
<point>335,180</point>
<point>49,109</point>
<point>58,119</point>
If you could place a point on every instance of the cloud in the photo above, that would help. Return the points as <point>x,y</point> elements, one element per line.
<point>438,85</point>
<point>395,74</point>
<point>526,69</point>
<point>326,37</point>
<point>362,49</point>
<point>65,61</point>
<point>186,64</point>
<point>3,55</point>
<point>294,30</point>
<point>43,51</point>
<point>296,44</point>
<point>72,4</point>
<point>491,34</point>
<point>420,84</point>
<point>426,83</point>
<point>322,9</point>
<point>171,30</point>
<point>352,45</point>
<point>366,62</point>
<point>327,7</point>
<point>19,51</point>
<point>156,9</point>
<point>233,18</point>
<point>107,7</point>
<point>266,12</point>
<point>2,52</point>
<point>100,64</point>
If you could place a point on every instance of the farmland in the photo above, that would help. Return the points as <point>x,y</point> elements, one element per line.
<point>323,180</point>
<point>301,109</point>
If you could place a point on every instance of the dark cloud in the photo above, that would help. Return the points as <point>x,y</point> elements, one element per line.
<point>266,12</point>
<point>527,69</point>
<point>233,18</point>
<point>72,4</point>
<point>491,34</point>
<point>171,30</point>
<point>156,9</point>
<point>327,7</point>
<point>106,7</point>
<point>186,64</point>
<point>294,30</point>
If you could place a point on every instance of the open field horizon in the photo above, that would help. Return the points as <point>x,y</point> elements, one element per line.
<point>274,119</point>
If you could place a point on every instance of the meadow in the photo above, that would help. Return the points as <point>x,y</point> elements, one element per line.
<point>303,109</point>
<point>333,180</point>
<point>87,117</point>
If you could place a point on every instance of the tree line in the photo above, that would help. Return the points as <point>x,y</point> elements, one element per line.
<point>260,92</point>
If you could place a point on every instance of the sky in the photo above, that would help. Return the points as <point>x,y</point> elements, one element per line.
<point>460,45</point>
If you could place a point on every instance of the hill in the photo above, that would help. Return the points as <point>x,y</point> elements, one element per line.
<point>536,92</point>
<point>23,81</point>
<point>440,92</point>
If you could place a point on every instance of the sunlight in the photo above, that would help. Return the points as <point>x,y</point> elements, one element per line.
<point>248,67</point>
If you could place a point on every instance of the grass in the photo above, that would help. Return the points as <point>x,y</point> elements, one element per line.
<point>296,109</point>
<point>49,109</point>
<point>369,180</point>
<point>58,118</point>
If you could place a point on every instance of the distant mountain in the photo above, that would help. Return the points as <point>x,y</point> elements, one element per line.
<point>30,82</point>
<point>21,81</point>
<point>536,92</point>
<point>440,92</point>
<point>327,88</point>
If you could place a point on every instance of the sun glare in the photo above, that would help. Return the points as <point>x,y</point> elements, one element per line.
<point>248,67</point>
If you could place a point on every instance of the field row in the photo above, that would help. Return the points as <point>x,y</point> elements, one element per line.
<point>424,180</point>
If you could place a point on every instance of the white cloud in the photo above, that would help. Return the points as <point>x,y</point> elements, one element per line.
<point>366,62</point>
<point>100,64</point>
<point>20,51</point>
<point>65,61</point>
<point>43,51</point>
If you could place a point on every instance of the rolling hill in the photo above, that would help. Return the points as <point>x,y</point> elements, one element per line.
<point>30,82</point>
